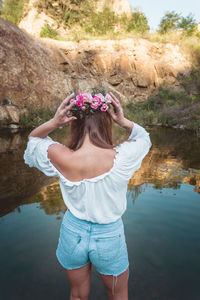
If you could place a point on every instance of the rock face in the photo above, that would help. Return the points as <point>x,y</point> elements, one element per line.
<point>29,73</point>
<point>33,21</point>
<point>131,68</point>
<point>39,73</point>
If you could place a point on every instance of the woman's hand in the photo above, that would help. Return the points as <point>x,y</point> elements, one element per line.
<point>62,115</point>
<point>117,115</point>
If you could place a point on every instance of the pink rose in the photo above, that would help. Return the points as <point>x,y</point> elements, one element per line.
<point>96,101</point>
<point>72,101</point>
<point>104,107</point>
<point>79,100</point>
<point>94,106</point>
<point>101,97</point>
<point>87,97</point>
<point>108,98</point>
<point>83,107</point>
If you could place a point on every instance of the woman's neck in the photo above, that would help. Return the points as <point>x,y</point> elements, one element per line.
<point>87,144</point>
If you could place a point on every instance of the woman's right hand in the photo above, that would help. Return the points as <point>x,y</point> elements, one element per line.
<point>117,115</point>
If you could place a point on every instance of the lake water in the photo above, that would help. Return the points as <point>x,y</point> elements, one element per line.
<point>162,223</point>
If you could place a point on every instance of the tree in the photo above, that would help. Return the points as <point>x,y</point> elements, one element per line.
<point>187,24</point>
<point>138,22</point>
<point>101,22</point>
<point>169,22</point>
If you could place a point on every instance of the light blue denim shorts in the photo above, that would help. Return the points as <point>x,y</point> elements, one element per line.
<point>81,242</point>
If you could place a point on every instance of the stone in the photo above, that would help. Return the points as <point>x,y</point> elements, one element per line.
<point>30,74</point>
<point>13,126</point>
<point>13,113</point>
<point>3,114</point>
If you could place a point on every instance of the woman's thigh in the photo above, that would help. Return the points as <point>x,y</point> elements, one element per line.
<point>116,287</point>
<point>80,281</point>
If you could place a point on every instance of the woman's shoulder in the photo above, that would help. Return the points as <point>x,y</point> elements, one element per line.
<point>59,153</point>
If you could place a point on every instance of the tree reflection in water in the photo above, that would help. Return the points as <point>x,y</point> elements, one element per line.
<point>173,159</point>
<point>50,199</point>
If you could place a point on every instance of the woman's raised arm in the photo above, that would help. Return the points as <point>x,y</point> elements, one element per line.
<point>61,118</point>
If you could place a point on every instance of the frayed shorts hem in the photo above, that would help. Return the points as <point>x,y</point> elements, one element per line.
<point>115,273</point>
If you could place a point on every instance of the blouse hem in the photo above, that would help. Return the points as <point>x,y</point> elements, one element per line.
<point>108,220</point>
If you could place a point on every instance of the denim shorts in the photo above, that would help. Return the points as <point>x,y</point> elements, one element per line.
<point>81,242</point>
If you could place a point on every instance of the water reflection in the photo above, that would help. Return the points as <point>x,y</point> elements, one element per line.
<point>173,158</point>
<point>51,200</point>
<point>162,222</point>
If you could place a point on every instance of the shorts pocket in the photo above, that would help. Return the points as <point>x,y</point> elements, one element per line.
<point>108,248</point>
<point>69,239</point>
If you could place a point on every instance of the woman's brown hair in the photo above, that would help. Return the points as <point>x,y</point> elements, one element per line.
<point>99,126</point>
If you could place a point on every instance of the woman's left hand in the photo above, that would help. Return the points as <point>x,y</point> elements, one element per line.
<point>62,115</point>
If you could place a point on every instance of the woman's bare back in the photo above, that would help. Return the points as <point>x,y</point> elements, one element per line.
<point>83,163</point>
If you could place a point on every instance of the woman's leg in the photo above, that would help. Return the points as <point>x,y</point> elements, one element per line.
<point>80,280</point>
<point>116,287</point>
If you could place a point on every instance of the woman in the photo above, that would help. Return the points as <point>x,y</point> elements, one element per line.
<point>93,178</point>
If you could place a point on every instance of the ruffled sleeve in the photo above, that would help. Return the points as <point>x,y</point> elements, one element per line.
<point>36,155</point>
<point>133,151</point>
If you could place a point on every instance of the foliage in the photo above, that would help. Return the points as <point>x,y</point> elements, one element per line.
<point>96,90</point>
<point>169,21</point>
<point>188,24</point>
<point>48,31</point>
<point>36,117</point>
<point>138,22</point>
<point>173,21</point>
<point>12,10</point>
<point>1,6</point>
<point>82,16</point>
<point>101,22</point>
<point>167,107</point>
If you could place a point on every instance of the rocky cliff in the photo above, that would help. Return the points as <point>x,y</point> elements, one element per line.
<point>38,73</point>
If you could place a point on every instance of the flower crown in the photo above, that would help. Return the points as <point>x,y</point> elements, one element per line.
<point>87,104</point>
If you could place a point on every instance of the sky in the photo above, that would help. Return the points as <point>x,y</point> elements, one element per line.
<point>154,10</point>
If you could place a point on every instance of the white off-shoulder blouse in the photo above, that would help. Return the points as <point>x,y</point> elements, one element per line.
<point>101,199</point>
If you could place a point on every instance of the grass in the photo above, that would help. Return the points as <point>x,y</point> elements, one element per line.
<point>13,10</point>
<point>35,117</point>
<point>189,45</point>
<point>48,31</point>
<point>167,108</point>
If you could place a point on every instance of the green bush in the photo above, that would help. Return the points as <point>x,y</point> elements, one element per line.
<point>138,22</point>
<point>101,23</point>
<point>36,117</point>
<point>48,31</point>
<point>167,107</point>
<point>12,10</point>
